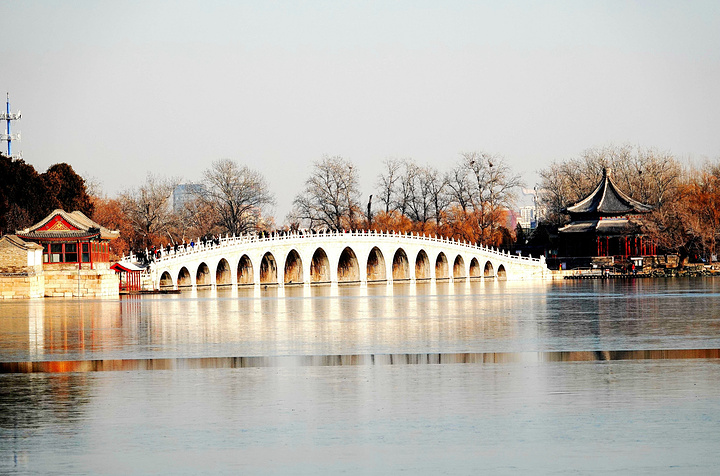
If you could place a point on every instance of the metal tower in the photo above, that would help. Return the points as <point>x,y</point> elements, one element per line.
<point>8,136</point>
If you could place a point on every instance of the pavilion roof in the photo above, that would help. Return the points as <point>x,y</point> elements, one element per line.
<point>606,200</point>
<point>607,227</point>
<point>63,225</point>
<point>127,267</point>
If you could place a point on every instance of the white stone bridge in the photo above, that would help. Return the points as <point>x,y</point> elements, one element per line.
<point>335,257</point>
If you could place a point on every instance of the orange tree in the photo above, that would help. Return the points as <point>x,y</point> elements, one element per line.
<point>701,210</point>
<point>108,212</point>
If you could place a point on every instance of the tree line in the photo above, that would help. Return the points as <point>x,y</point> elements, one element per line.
<point>470,200</point>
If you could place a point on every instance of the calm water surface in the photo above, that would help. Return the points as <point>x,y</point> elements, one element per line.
<point>347,380</point>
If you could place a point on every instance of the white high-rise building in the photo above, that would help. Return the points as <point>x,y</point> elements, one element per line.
<point>527,217</point>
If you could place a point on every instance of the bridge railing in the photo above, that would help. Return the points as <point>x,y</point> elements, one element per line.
<point>202,246</point>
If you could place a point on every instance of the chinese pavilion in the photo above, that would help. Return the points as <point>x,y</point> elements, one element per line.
<point>605,223</point>
<point>71,238</point>
<point>130,276</point>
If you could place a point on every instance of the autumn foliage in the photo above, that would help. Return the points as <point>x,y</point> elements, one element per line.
<point>108,212</point>
<point>689,222</point>
<point>462,225</point>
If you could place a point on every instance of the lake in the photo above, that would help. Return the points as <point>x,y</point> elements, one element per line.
<point>563,377</point>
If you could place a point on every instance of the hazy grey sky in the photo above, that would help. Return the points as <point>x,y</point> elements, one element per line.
<point>118,89</point>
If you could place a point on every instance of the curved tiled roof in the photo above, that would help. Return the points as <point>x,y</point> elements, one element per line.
<point>609,227</point>
<point>606,200</point>
<point>86,228</point>
<point>57,235</point>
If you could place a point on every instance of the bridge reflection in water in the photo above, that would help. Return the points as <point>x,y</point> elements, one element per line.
<point>335,257</point>
<point>350,360</point>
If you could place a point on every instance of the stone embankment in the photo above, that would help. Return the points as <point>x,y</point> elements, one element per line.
<point>680,272</point>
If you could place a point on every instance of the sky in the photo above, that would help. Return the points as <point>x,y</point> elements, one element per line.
<point>120,89</point>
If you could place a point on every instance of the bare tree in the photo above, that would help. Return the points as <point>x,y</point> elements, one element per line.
<point>387,183</point>
<point>237,196</point>
<point>331,196</point>
<point>419,193</point>
<point>459,188</point>
<point>198,218</point>
<point>148,209</point>
<point>405,191</point>
<point>427,193</point>
<point>415,197</point>
<point>483,186</point>
<point>560,186</point>
<point>437,187</point>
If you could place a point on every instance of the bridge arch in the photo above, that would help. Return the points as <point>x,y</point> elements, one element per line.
<point>441,266</point>
<point>245,270</point>
<point>376,270</point>
<point>400,265</point>
<point>474,268</point>
<point>293,268</point>
<point>459,267</point>
<point>422,265</point>
<point>184,278</point>
<point>348,269</point>
<point>320,267</point>
<point>268,269</point>
<point>501,273</point>
<point>166,280</point>
<point>202,276</point>
<point>223,275</point>
<point>489,272</point>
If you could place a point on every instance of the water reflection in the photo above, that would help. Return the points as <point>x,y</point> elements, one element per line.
<point>406,318</point>
<point>350,360</point>
<point>426,378</point>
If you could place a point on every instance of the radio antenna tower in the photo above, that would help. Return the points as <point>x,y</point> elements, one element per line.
<point>7,116</point>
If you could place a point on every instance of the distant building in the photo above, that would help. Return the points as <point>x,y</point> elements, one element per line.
<point>527,217</point>
<point>184,193</point>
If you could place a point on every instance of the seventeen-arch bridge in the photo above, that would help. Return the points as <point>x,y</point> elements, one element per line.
<point>335,257</point>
